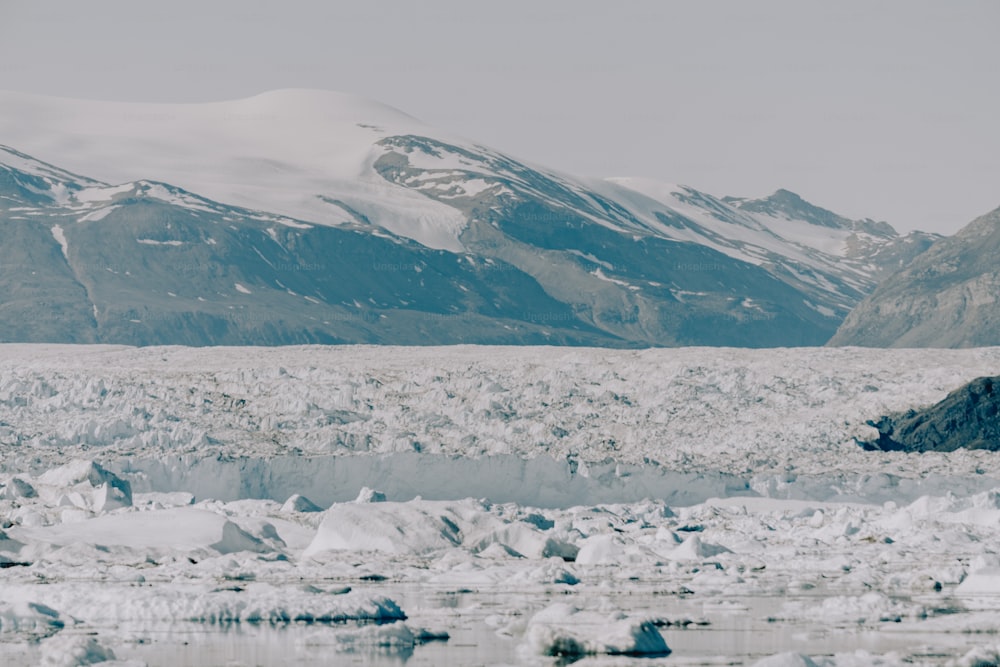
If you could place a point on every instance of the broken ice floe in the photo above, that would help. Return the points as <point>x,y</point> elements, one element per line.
<point>562,630</point>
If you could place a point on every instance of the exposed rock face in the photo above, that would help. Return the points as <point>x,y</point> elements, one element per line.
<point>968,417</point>
<point>948,296</point>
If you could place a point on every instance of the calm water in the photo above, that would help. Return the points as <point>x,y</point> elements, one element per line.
<point>739,633</point>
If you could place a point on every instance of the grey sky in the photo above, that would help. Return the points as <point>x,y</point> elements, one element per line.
<point>884,109</point>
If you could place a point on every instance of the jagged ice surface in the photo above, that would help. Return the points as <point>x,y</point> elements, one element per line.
<point>172,487</point>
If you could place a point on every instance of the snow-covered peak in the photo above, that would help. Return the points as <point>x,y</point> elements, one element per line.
<point>686,201</point>
<point>16,160</point>
<point>787,205</point>
<point>652,188</point>
<point>289,152</point>
<point>293,102</point>
<point>26,183</point>
<point>104,195</point>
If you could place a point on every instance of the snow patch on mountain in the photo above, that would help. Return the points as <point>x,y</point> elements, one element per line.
<point>279,152</point>
<point>60,237</point>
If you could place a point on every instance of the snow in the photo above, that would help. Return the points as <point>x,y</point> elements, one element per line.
<point>744,236</point>
<point>60,237</point>
<point>829,240</point>
<point>475,186</point>
<point>429,487</point>
<point>822,310</point>
<point>53,176</point>
<point>275,152</point>
<point>564,631</point>
<point>299,503</point>
<point>595,260</point>
<point>300,158</point>
<point>98,214</point>
<point>103,194</point>
<point>983,582</point>
<point>155,242</point>
<point>599,273</point>
<point>202,603</point>
<point>696,411</point>
<point>393,528</point>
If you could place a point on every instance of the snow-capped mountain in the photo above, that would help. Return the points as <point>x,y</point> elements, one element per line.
<point>947,297</point>
<point>306,216</point>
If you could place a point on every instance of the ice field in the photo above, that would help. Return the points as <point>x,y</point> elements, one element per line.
<point>488,506</point>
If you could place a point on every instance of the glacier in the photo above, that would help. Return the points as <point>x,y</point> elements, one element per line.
<point>475,503</point>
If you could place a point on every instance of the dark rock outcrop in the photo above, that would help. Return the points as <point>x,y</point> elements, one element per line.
<point>968,418</point>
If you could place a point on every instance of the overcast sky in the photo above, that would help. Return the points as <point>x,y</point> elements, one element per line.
<point>886,109</point>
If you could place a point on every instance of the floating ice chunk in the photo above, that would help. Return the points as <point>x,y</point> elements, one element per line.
<point>694,549</point>
<point>385,638</point>
<point>164,499</point>
<point>565,631</point>
<point>235,539</point>
<point>601,549</point>
<point>71,499</point>
<point>984,562</point>
<point>551,572</point>
<point>985,581</point>
<point>612,550</point>
<point>8,544</point>
<point>108,497</point>
<point>417,528</point>
<point>367,495</point>
<point>29,619</point>
<point>28,517</point>
<point>77,651</point>
<point>181,530</point>
<point>499,551</point>
<point>106,489</point>
<point>523,539</point>
<point>252,603</point>
<point>868,609</point>
<point>18,488</point>
<point>77,472</point>
<point>986,656</point>
<point>299,503</point>
<point>395,638</point>
<point>276,607</point>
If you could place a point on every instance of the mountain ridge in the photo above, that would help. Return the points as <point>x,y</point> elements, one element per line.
<point>949,296</point>
<point>615,262</point>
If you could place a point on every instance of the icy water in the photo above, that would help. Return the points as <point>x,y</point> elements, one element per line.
<point>680,485</point>
<point>484,631</point>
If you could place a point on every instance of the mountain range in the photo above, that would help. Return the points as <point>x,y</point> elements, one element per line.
<point>302,216</point>
<point>949,296</point>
